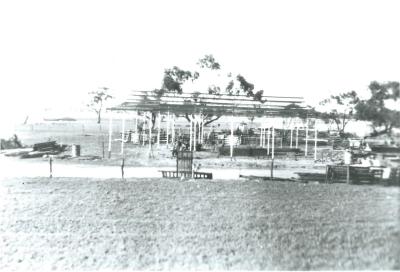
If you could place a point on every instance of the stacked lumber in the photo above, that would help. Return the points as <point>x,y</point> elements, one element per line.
<point>41,149</point>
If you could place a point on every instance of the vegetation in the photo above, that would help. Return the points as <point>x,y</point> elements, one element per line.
<point>376,109</point>
<point>154,224</point>
<point>175,79</point>
<point>340,109</point>
<point>97,100</point>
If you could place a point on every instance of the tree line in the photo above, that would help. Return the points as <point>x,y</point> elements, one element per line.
<point>337,110</point>
<point>379,109</point>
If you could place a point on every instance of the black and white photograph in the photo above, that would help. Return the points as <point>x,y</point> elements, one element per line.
<point>221,135</point>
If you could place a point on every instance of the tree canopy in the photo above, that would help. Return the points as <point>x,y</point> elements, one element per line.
<point>175,78</point>
<point>379,109</point>
<point>376,108</point>
<point>97,99</point>
<point>339,110</point>
<point>179,81</point>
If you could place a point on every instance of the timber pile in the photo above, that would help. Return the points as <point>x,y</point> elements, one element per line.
<point>38,150</point>
<point>46,146</point>
<point>385,149</point>
<point>311,176</point>
<point>257,151</point>
<point>11,143</point>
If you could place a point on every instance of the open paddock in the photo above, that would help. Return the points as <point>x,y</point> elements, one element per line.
<point>79,223</point>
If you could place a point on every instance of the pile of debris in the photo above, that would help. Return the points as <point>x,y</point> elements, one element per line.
<point>46,148</point>
<point>38,150</point>
<point>11,143</point>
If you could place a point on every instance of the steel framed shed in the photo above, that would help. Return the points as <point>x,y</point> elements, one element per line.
<point>197,107</point>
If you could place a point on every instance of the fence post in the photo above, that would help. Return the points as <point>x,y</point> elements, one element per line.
<point>194,135</point>
<point>291,137</point>
<point>272,168</point>
<point>167,129</point>
<point>190,135</point>
<point>273,142</point>
<point>109,136</point>
<point>231,147</point>
<point>102,146</point>
<point>158,129</point>
<point>51,166</point>
<point>122,168</point>
<point>123,135</point>
<point>315,144</point>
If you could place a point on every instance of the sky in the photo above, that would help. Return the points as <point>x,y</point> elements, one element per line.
<point>52,53</point>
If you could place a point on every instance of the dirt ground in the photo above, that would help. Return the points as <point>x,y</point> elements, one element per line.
<point>77,223</point>
<point>87,218</point>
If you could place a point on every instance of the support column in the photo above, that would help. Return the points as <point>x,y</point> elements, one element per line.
<point>167,129</point>
<point>150,125</point>
<point>231,137</point>
<point>109,135</point>
<point>190,135</point>
<point>264,136</point>
<point>173,130</point>
<point>261,136</point>
<point>315,143</point>
<point>202,130</point>
<point>291,137</point>
<point>268,136</point>
<point>194,134</point>
<point>273,142</point>
<point>123,135</point>
<point>143,129</point>
<point>297,137</point>
<point>306,146</point>
<point>158,129</point>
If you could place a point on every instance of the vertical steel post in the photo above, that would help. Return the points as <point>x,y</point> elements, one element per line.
<point>123,135</point>
<point>291,137</point>
<point>231,137</point>
<point>306,146</point>
<point>268,138</point>
<point>190,134</point>
<point>150,127</point>
<point>273,142</point>
<point>158,129</point>
<point>315,144</point>
<point>194,135</point>
<point>109,135</point>
<point>51,166</point>
<point>143,129</point>
<point>167,129</point>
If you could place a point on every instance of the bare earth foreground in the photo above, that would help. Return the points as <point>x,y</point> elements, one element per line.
<point>77,223</point>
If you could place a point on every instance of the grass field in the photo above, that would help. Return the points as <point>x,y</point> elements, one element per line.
<point>67,223</point>
<point>87,135</point>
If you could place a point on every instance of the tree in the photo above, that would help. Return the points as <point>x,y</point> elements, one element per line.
<point>339,110</point>
<point>209,62</point>
<point>175,80</point>
<point>175,77</point>
<point>97,100</point>
<point>376,109</point>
